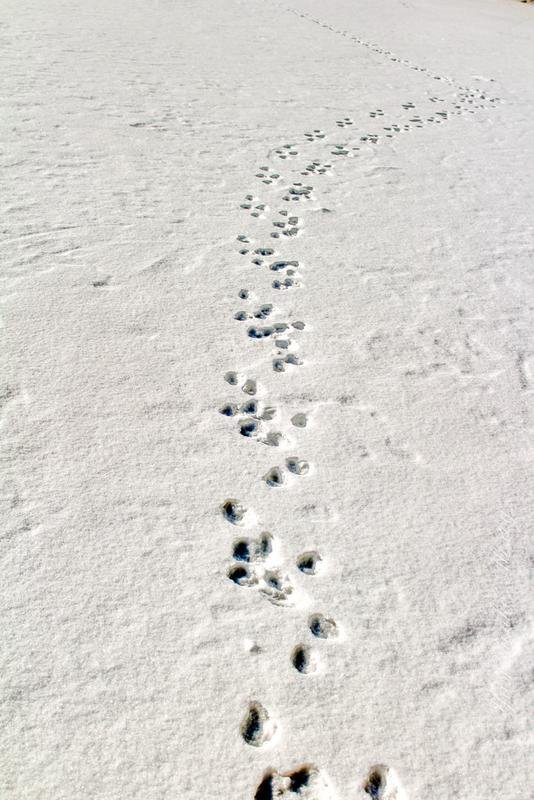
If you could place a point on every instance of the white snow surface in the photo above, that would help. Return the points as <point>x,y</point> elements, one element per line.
<point>398,663</point>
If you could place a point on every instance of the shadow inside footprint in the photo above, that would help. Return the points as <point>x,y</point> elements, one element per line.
<point>233,511</point>
<point>256,727</point>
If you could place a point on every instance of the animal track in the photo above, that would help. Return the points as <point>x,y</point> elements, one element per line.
<point>382,783</point>
<point>308,562</point>
<point>305,782</point>
<point>304,659</point>
<point>322,627</point>
<point>233,512</point>
<point>256,564</point>
<point>257,728</point>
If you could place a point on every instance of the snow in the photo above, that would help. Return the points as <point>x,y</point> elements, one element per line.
<point>357,622</point>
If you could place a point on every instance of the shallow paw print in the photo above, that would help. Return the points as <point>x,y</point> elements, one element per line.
<point>243,240</point>
<point>297,466</point>
<point>249,203</point>
<point>322,627</point>
<point>275,586</point>
<point>342,123</point>
<point>286,150</point>
<point>250,386</point>
<point>340,150</point>
<point>317,133</point>
<point>370,138</point>
<point>316,168</point>
<point>285,283</point>
<point>267,175</point>
<point>377,113</point>
<point>298,191</point>
<point>291,359</point>
<point>272,439</point>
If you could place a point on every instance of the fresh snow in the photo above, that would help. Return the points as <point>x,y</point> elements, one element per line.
<point>268,372</point>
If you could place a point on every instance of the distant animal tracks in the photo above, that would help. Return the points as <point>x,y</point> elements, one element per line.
<point>271,278</point>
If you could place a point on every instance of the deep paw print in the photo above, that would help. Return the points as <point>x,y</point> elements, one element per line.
<point>304,659</point>
<point>235,512</point>
<point>257,727</point>
<point>309,562</point>
<point>305,782</point>
<point>382,783</point>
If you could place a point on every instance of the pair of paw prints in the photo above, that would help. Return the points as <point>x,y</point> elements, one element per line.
<point>289,226</point>
<point>317,133</point>
<point>267,175</point>
<point>286,150</point>
<point>307,782</point>
<point>316,168</point>
<point>298,191</point>
<point>276,476</point>
<point>254,567</point>
<point>250,203</point>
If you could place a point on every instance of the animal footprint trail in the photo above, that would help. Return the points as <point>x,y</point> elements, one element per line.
<point>255,562</point>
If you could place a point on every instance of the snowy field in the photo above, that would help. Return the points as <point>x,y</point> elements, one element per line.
<point>266,418</point>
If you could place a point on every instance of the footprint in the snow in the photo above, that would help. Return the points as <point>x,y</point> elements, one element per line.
<point>299,420</point>
<point>241,575</point>
<point>340,150</point>
<point>342,123</point>
<point>275,586</point>
<point>322,627</point>
<point>250,386</point>
<point>309,562</point>
<point>228,409</point>
<point>304,659</point>
<point>316,168</point>
<point>274,477</point>
<point>233,511</point>
<point>231,377</point>
<point>315,134</point>
<point>305,783</point>
<point>249,550</point>
<point>298,192</point>
<point>286,150</point>
<point>257,727</point>
<point>297,466</point>
<point>382,783</point>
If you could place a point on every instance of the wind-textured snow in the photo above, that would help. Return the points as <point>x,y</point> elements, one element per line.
<point>267,295</point>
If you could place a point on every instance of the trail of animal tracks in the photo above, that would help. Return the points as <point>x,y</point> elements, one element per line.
<point>266,399</point>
